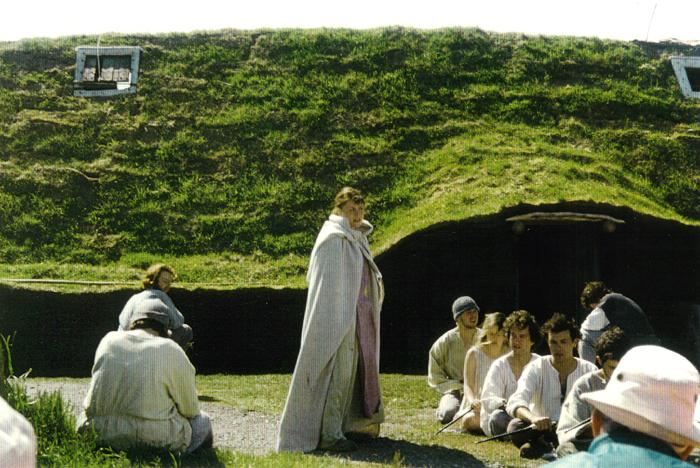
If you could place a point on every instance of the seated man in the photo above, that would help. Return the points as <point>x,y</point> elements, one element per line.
<point>644,416</point>
<point>156,285</point>
<point>17,439</point>
<point>501,380</point>
<point>542,388</point>
<point>142,391</point>
<point>446,357</point>
<point>573,434</point>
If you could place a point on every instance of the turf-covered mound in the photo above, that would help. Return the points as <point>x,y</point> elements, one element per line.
<point>226,159</point>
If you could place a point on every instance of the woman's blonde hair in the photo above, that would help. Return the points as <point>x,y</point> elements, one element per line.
<point>150,281</point>
<point>345,195</point>
<point>493,319</point>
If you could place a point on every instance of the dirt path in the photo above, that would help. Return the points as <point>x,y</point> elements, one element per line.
<point>254,433</point>
<point>248,432</point>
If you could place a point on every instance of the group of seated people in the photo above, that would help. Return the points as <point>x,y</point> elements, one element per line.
<point>491,382</point>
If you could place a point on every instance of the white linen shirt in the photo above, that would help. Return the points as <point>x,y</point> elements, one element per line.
<point>500,383</point>
<point>539,389</point>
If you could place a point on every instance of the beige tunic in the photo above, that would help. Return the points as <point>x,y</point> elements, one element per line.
<point>446,362</point>
<point>142,392</point>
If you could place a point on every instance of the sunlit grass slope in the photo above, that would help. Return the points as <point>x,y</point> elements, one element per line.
<point>225,161</point>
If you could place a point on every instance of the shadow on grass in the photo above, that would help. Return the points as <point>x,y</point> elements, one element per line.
<point>163,458</point>
<point>207,398</point>
<point>405,453</point>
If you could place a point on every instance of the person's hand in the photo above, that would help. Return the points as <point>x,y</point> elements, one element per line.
<point>475,405</point>
<point>542,424</point>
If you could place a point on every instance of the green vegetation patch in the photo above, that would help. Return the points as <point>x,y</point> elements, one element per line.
<point>227,158</point>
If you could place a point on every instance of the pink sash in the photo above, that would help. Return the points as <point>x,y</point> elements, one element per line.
<point>366,332</point>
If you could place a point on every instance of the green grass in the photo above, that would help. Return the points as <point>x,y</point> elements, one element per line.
<point>226,160</point>
<point>410,426</point>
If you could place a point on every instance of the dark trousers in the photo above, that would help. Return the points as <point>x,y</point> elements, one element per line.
<point>530,436</point>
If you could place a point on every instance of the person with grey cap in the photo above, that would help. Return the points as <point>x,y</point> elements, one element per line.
<point>645,415</point>
<point>142,391</point>
<point>156,283</point>
<point>446,357</point>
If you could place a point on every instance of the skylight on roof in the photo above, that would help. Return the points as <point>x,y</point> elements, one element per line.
<point>687,71</point>
<point>106,71</point>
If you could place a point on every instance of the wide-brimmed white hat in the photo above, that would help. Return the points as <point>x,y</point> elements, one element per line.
<point>653,390</point>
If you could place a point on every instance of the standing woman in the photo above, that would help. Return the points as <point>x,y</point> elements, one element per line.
<point>491,346</point>
<point>335,386</point>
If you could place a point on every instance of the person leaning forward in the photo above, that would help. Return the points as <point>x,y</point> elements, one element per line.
<point>645,415</point>
<point>142,391</point>
<point>447,355</point>
<point>334,394</point>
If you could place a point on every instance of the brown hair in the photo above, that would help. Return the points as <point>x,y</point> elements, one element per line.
<point>150,281</point>
<point>522,319</point>
<point>494,318</point>
<point>613,344</point>
<point>345,195</point>
<point>559,323</point>
<point>592,293</point>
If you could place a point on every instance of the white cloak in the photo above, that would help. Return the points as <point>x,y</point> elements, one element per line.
<point>334,277</point>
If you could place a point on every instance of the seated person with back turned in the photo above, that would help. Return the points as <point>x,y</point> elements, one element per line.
<point>142,391</point>
<point>446,357</point>
<point>573,434</point>
<point>501,380</point>
<point>156,285</point>
<point>644,416</point>
<point>542,388</point>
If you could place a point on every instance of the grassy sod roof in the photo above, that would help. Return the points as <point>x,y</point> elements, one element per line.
<point>226,160</point>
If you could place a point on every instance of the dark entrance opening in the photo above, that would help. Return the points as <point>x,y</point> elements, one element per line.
<point>541,267</point>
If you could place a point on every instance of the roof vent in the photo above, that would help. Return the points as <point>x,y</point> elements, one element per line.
<point>687,71</point>
<point>106,71</point>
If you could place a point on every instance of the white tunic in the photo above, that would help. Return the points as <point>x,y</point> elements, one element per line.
<point>539,389</point>
<point>500,383</point>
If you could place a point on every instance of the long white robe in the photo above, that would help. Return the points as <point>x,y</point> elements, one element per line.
<point>334,278</point>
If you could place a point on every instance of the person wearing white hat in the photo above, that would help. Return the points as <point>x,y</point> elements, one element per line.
<point>447,355</point>
<point>645,415</point>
